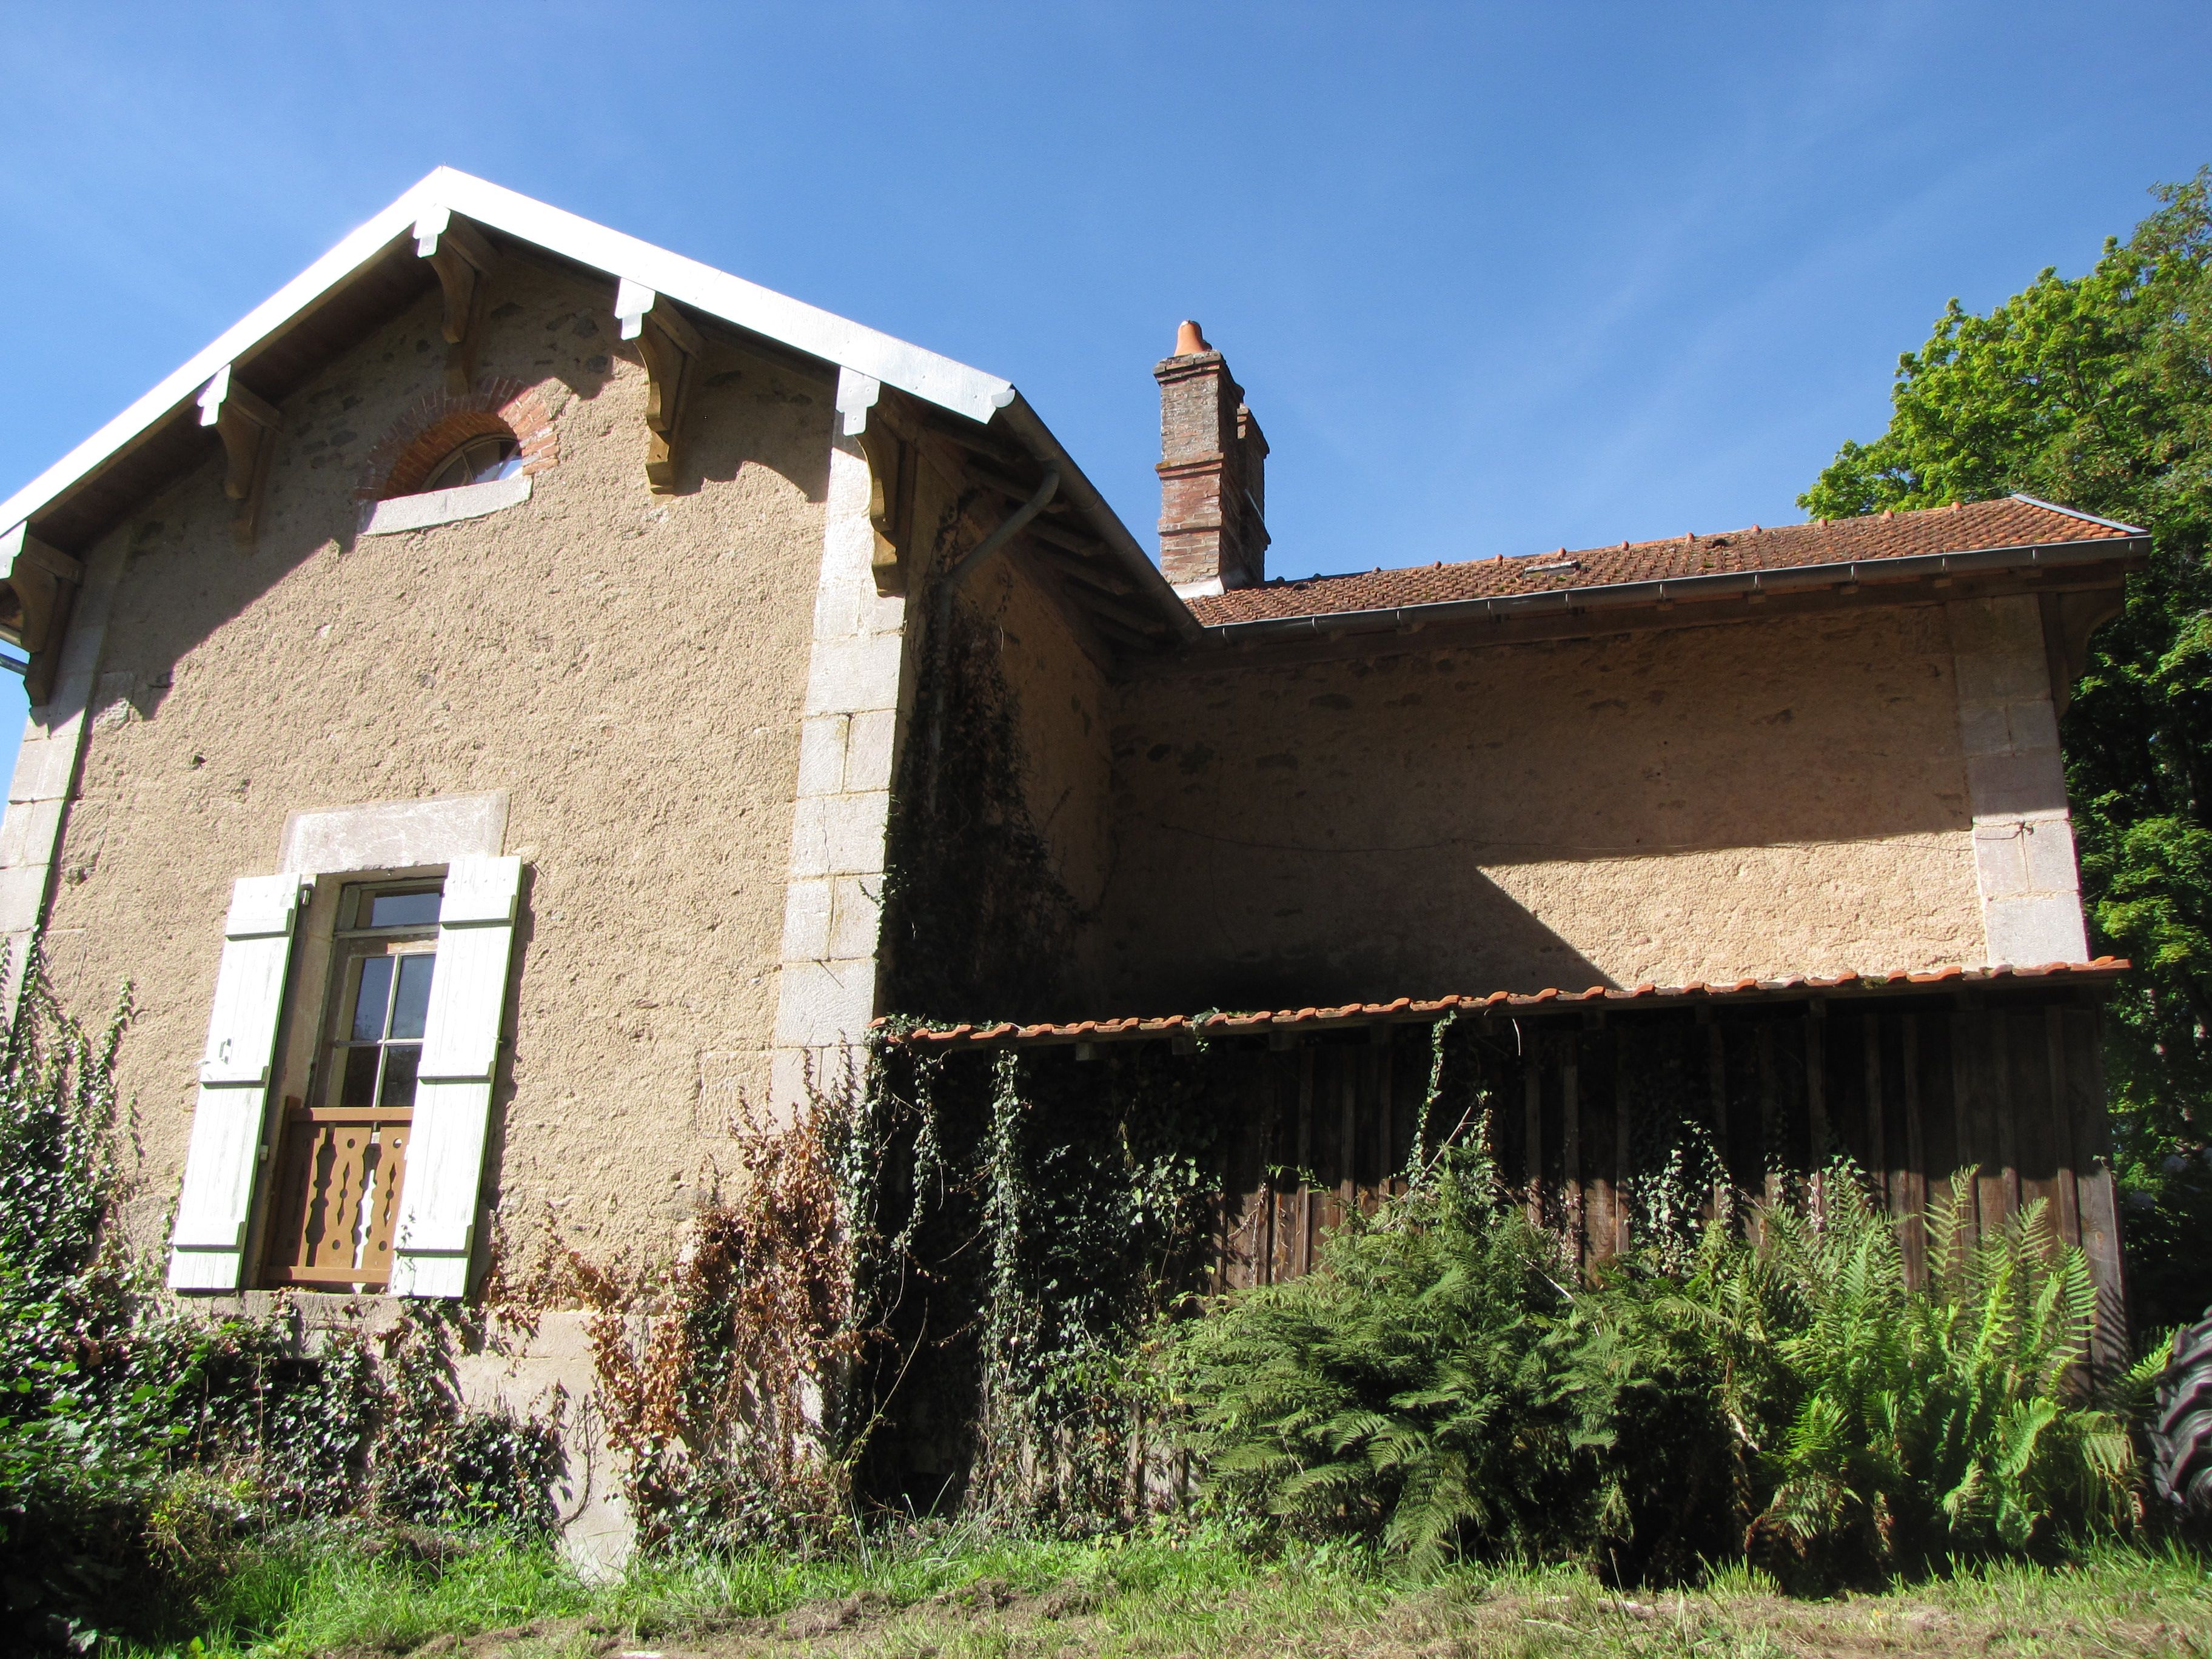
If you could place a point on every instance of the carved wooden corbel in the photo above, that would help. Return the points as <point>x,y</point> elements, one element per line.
<point>462,259</point>
<point>884,433</point>
<point>248,427</point>
<point>38,585</point>
<point>671,350</point>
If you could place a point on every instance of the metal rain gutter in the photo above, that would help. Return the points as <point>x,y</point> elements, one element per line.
<point>1788,578</point>
<point>1137,564</point>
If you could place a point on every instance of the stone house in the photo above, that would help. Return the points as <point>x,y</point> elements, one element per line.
<point>478,700</point>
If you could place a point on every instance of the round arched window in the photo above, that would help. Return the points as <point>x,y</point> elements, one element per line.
<point>481,459</point>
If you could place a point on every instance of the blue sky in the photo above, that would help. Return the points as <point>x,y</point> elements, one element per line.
<point>1496,279</point>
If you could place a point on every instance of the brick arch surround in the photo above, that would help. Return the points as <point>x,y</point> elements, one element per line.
<point>441,420</point>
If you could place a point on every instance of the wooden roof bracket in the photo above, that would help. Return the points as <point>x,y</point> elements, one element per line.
<point>247,426</point>
<point>462,258</point>
<point>887,435</point>
<point>671,350</point>
<point>37,585</point>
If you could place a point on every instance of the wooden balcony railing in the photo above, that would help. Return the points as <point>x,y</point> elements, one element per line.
<point>336,1196</point>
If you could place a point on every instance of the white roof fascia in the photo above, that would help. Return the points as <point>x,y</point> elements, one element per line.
<point>807,329</point>
<point>2076,512</point>
<point>257,326</point>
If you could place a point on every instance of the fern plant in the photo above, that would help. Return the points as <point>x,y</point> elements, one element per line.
<point>1444,1384</point>
<point>1438,1387</point>
<point>1891,1427</point>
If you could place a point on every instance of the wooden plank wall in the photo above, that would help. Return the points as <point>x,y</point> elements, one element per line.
<point>1912,1089</point>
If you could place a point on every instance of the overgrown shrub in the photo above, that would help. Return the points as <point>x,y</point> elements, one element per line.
<point>1444,1384</point>
<point>723,1377</point>
<point>1437,1386</point>
<point>144,1446</point>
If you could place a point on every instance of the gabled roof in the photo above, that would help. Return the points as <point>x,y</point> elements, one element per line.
<point>2013,530</point>
<point>373,273</point>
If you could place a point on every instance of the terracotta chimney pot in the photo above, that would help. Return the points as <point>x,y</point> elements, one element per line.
<point>1190,340</point>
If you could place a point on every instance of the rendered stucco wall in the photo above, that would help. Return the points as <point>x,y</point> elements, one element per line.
<point>628,667</point>
<point>1706,804</point>
<point>1058,697</point>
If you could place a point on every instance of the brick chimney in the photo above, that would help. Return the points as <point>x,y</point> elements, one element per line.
<point>1213,535</point>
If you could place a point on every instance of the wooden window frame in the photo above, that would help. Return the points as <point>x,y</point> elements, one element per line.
<point>329,1154</point>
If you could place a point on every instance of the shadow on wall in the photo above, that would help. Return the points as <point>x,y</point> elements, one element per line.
<point>1274,944</point>
<point>1700,803</point>
<point>187,581</point>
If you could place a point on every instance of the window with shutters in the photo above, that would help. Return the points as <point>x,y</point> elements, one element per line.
<point>342,1146</point>
<point>369,1176</point>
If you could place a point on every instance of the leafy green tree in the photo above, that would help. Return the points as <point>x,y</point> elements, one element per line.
<point>2096,392</point>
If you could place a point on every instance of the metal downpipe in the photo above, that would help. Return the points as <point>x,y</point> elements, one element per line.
<point>948,589</point>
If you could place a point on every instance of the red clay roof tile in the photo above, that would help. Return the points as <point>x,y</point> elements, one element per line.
<point>2013,521</point>
<point>1505,1002</point>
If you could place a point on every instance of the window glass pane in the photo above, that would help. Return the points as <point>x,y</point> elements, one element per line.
<point>359,1088</point>
<point>400,1060</point>
<point>413,1000</point>
<point>369,1001</point>
<point>403,909</point>
<point>494,455</point>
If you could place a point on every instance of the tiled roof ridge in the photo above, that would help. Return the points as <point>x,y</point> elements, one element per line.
<point>1413,1009</point>
<point>2006,524</point>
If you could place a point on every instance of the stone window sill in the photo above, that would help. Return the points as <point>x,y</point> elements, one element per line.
<point>402,512</point>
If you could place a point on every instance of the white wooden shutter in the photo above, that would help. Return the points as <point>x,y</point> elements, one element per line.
<point>208,1247</point>
<point>452,1098</point>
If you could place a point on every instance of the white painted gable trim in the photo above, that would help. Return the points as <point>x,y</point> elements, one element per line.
<point>806,328</point>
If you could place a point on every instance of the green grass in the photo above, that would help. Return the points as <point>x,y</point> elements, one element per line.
<point>968,1596</point>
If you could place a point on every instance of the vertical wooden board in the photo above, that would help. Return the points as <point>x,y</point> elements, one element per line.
<point>1966,1117</point>
<point>2007,1062</point>
<point>1912,1175</point>
<point>1846,1057</point>
<point>1717,1102</point>
<point>2067,1195</point>
<point>1386,1114</point>
<point>1357,1063</point>
<point>2093,1187</point>
<point>1818,1135</point>
<point>1938,1109</point>
<point>1535,1151</point>
<point>1302,1226</point>
<point>1985,1064</point>
<point>1873,1107</point>
<point>1273,1082</point>
<point>1409,1083</point>
<point>1571,1142</point>
<point>1770,1117</point>
<point>1599,1074</point>
<point>1623,1169</point>
<point>2030,1034</point>
<point>290,1195</point>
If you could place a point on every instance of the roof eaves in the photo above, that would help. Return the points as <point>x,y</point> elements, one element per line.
<point>805,328</point>
<point>2100,971</point>
<point>353,252</point>
<point>1713,585</point>
<point>1021,421</point>
<point>2076,512</point>
<point>762,311</point>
